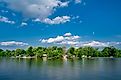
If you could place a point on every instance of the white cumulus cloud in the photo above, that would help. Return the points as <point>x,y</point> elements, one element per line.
<point>74,40</point>
<point>56,20</point>
<point>35,8</point>
<point>24,24</point>
<point>67,34</point>
<point>53,40</point>
<point>69,43</point>
<point>6,20</point>
<point>98,44</point>
<point>95,44</point>
<point>67,39</point>
<point>40,10</point>
<point>13,43</point>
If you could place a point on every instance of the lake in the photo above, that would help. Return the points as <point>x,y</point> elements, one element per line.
<point>35,69</point>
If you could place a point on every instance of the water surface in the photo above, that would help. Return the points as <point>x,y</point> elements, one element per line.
<point>35,69</point>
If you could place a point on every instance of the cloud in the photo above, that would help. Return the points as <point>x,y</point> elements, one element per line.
<point>24,24</point>
<point>98,44</point>
<point>95,44</point>
<point>35,8</point>
<point>6,20</point>
<point>40,10</point>
<point>74,40</point>
<point>13,43</point>
<point>78,1</point>
<point>67,34</point>
<point>57,20</point>
<point>75,17</point>
<point>64,4</point>
<point>67,39</point>
<point>113,43</point>
<point>53,40</point>
<point>69,43</point>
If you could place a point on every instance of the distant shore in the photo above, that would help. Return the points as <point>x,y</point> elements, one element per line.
<point>55,52</point>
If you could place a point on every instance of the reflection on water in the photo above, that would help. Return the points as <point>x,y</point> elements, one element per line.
<point>37,69</point>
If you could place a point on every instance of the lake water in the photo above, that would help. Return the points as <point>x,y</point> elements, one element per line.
<point>32,69</point>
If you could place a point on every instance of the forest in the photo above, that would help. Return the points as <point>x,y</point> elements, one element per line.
<point>55,52</point>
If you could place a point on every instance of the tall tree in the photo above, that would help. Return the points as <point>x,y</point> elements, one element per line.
<point>29,51</point>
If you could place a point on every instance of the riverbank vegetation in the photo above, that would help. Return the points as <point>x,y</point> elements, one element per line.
<point>55,52</point>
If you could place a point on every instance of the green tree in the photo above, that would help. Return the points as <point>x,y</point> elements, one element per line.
<point>71,52</point>
<point>61,52</point>
<point>39,51</point>
<point>20,52</point>
<point>1,52</point>
<point>110,51</point>
<point>8,53</point>
<point>29,51</point>
<point>79,52</point>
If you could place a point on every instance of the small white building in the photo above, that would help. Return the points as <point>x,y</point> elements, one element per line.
<point>84,56</point>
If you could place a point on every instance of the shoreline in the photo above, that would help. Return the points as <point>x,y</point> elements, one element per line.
<point>34,57</point>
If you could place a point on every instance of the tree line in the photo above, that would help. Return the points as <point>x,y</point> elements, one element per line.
<point>59,52</point>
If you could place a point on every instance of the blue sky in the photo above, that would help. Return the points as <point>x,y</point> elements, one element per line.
<point>95,23</point>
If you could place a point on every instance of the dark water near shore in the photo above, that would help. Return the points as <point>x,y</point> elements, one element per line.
<point>32,69</point>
